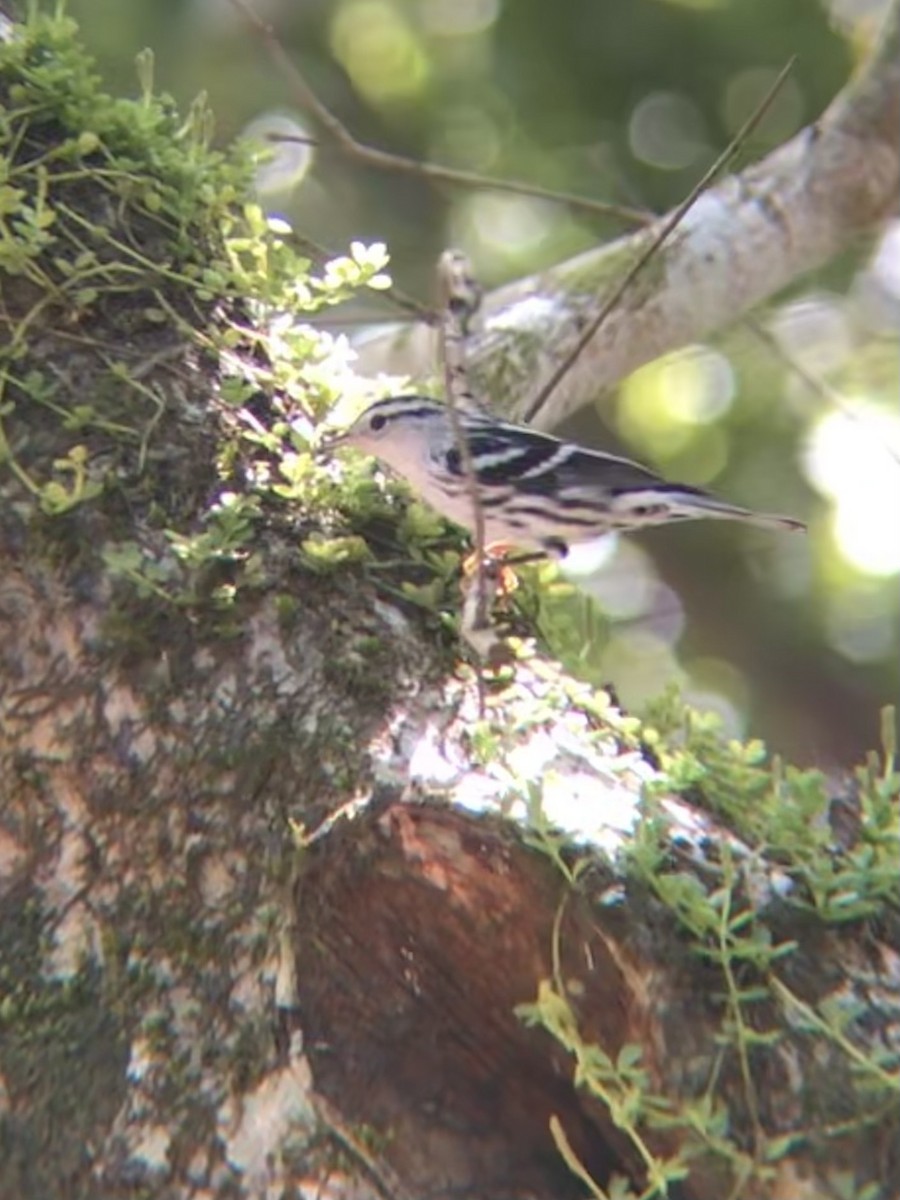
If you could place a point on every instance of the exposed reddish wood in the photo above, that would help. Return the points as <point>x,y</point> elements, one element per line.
<point>420,929</point>
<point>419,935</point>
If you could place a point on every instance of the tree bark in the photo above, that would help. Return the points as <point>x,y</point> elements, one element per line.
<point>272,886</point>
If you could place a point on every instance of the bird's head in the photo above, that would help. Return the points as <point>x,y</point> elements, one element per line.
<point>397,430</point>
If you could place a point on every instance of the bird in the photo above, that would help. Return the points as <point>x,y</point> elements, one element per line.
<point>537,493</point>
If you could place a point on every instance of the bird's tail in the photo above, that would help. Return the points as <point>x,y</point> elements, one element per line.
<point>685,504</point>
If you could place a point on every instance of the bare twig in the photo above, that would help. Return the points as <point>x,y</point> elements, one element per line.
<point>669,225</point>
<point>344,141</point>
<point>459,299</point>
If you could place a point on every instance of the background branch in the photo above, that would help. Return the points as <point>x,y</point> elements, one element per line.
<point>742,243</point>
<point>342,140</point>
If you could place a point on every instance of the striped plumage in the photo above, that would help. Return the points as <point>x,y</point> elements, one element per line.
<point>536,492</point>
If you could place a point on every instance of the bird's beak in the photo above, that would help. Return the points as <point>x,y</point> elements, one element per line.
<point>330,442</point>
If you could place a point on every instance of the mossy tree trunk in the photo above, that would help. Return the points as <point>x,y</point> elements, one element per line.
<point>272,888</point>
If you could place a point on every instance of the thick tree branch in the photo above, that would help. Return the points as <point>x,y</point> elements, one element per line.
<point>742,243</point>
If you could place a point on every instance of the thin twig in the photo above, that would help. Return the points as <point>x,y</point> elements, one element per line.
<point>382,160</point>
<point>667,228</point>
<point>459,298</point>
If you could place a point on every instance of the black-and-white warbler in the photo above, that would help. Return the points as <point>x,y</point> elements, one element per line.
<point>536,492</point>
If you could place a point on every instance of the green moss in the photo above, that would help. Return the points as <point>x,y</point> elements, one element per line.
<point>160,396</point>
<point>517,355</point>
<point>741,930</point>
<point>786,812</point>
<point>140,285</point>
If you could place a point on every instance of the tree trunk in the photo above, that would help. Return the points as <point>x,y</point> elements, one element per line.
<point>273,889</point>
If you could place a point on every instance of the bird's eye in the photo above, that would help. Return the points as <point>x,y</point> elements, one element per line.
<point>378,422</point>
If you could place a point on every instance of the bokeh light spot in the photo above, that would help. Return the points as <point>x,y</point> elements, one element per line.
<point>502,227</point>
<point>466,137</point>
<point>814,332</point>
<point>868,536</point>
<point>458,18</point>
<point>379,51</point>
<point>852,457</point>
<point>282,164</point>
<point>586,558</point>
<point>717,685</point>
<point>861,622</point>
<point>697,3</point>
<point>627,588</point>
<point>786,567</point>
<point>701,460</point>
<point>625,585</point>
<point>733,721</point>
<point>697,384</point>
<point>886,265</point>
<point>667,130</point>
<point>662,405</point>
<point>877,287</point>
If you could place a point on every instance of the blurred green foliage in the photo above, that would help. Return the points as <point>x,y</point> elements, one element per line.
<point>627,102</point>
